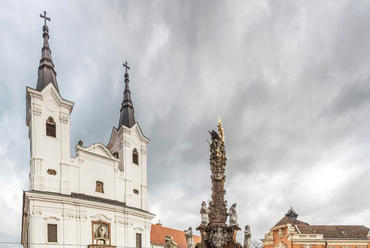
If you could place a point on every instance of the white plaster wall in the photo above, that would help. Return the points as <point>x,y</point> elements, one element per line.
<point>124,141</point>
<point>74,218</point>
<point>49,152</point>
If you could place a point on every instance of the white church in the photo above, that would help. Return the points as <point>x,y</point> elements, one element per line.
<point>96,199</point>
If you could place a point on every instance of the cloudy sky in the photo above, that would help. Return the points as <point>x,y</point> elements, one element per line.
<point>289,79</point>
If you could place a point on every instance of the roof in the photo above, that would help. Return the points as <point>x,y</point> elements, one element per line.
<point>158,232</point>
<point>337,231</point>
<point>127,117</point>
<point>286,220</point>
<point>46,73</point>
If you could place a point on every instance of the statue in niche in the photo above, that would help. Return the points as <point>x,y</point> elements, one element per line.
<point>247,237</point>
<point>204,214</point>
<point>233,216</point>
<point>169,242</point>
<point>99,232</point>
<point>189,237</point>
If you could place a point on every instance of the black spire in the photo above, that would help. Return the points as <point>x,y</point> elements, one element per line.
<point>46,72</point>
<point>127,117</point>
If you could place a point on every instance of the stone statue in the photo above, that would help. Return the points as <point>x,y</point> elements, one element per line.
<point>247,237</point>
<point>189,238</point>
<point>204,214</point>
<point>169,242</point>
<point>233,216</point>
<point>99,232</point>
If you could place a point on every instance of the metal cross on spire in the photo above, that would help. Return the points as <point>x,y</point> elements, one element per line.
<point>45,18</point>
<point>125,65</point>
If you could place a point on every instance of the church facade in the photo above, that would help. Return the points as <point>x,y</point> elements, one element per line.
<point>290,232</point>
<point>99,197</point>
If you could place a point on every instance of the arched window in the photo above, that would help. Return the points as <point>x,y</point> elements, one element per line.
<point>99,187</point>
<point>135,157</point>
<point>50,127</point>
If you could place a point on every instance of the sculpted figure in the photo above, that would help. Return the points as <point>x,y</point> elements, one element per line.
<point>204,214</point>
<point>247,237</point>
<point>99,232</point>
<point>169,242</point>
<point>189,238</point>
<point>281,233</point>
<point>233,216</point>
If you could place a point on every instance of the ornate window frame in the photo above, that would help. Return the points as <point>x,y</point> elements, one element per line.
<point>94,239</point>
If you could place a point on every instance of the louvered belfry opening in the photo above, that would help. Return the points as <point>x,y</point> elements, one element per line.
<point>52,233</point>
<point>50,127</point>
<point>135,157</point>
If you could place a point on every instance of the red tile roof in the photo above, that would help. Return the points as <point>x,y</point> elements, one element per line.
<point>337,231</point>
<point>287,220</point>
<point>158,232</point>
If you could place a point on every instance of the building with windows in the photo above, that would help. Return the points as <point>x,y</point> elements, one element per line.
<point>97,198</point>
<point>290,232</point>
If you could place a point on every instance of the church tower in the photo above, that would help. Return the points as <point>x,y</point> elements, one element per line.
<point>97,198</point>
<point>129,144</point>
<point>48,120</point>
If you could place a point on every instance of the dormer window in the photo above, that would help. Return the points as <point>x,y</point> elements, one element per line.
<point>50,127</point>
<point>135,157</point>
<point>99,187</point>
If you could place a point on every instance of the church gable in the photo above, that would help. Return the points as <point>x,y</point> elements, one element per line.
<point>137,130</point>
<point>97,149</point>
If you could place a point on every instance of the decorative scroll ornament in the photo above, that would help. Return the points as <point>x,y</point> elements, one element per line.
<point>37,111</point>
<point>63,118</point>
<point>291,229</point>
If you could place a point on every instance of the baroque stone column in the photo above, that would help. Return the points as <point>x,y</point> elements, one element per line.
<point>218,206</point>
<point>216,233</point>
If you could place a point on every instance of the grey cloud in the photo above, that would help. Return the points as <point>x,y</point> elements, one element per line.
<point>288,79</point>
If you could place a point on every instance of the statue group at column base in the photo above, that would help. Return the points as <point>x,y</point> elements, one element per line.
<point>218,236</point>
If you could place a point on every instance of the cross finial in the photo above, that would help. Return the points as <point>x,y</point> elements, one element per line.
<point>125,65</point>
<point>45,18</point>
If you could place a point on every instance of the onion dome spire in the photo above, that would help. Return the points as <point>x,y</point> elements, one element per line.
<point>127,117</point>
<point>46,72</point>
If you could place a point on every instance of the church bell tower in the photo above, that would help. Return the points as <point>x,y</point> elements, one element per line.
<point>48,120</point>
<point>130,145</point>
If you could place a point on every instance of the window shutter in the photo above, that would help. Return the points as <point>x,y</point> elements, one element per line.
<point>99,187</point>
<point>52,233</point>
<point>138,240</point>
